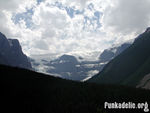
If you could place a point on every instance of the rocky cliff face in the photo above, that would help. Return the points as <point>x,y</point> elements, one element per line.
<point>11,53</point>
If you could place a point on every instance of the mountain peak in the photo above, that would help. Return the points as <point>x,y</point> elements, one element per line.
<point>2,36</point>
<point>147,30</point>
<point>130,66</point>
<point>69,58</point>
<point>1,33</point>
<point>15,45</point>
<point>11,53</point>
<point>66,57</point>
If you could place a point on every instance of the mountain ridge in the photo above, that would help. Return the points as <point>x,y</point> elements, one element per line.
<point>11,53</point>
<point>70,67</point>
<point>127,63</point>
<point>27,91</point>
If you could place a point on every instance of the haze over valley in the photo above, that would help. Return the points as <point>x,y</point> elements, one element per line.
<point>75,56</point>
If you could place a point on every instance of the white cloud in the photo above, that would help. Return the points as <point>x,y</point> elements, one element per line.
<point>4,27</point>
<point>90,74</point>
<point>77,4</point>
<point>54,31</point>
<point>127,16</point>
<point>10,5</point>
<point>16,5</point>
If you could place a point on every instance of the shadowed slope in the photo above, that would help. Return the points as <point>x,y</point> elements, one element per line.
<point>25,91</point>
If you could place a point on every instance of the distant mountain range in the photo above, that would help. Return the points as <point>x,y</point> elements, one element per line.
<point>130,67</point>
<point>67,66</point>
<point>126,64</point>
<point>11,53</point>
<point>26,91</point>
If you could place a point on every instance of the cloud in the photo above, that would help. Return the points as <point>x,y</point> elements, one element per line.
<point>90,74</point>
<point>8,9</point>
<point>77,4</point>
<point>10,5</point>
<point>63,33</point>
<point>16,5</point>
<point>72,26</point>
<point>127,16</point>
<point>3,20</point>
<point>51,19</point>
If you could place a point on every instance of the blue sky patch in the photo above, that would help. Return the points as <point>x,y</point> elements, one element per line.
<point>26,16</point>
<point>39,1</point>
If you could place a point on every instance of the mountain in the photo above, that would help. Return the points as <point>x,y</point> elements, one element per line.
<point>130,66</point>
<point>145,82</point>
<point>25,91</point>
<point>67,66</point>
<point>109,54</point>
<point>73,68</point>
<point>11,53</point>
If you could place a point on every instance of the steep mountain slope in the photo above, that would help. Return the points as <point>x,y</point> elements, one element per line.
<point>25,91</point>
<point>145,82</point>
<point>70,67</point>
<point>11,53</point>
<point>109,54</point>
<point>138,75</point>
<point>128,67</point>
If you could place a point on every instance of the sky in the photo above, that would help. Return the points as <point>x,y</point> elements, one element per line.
<point>72,26</point>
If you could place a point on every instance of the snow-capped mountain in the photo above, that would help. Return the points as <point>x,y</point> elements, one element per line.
<point>76,67</point>
<point>131,67</point>
<point>109,54</point>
